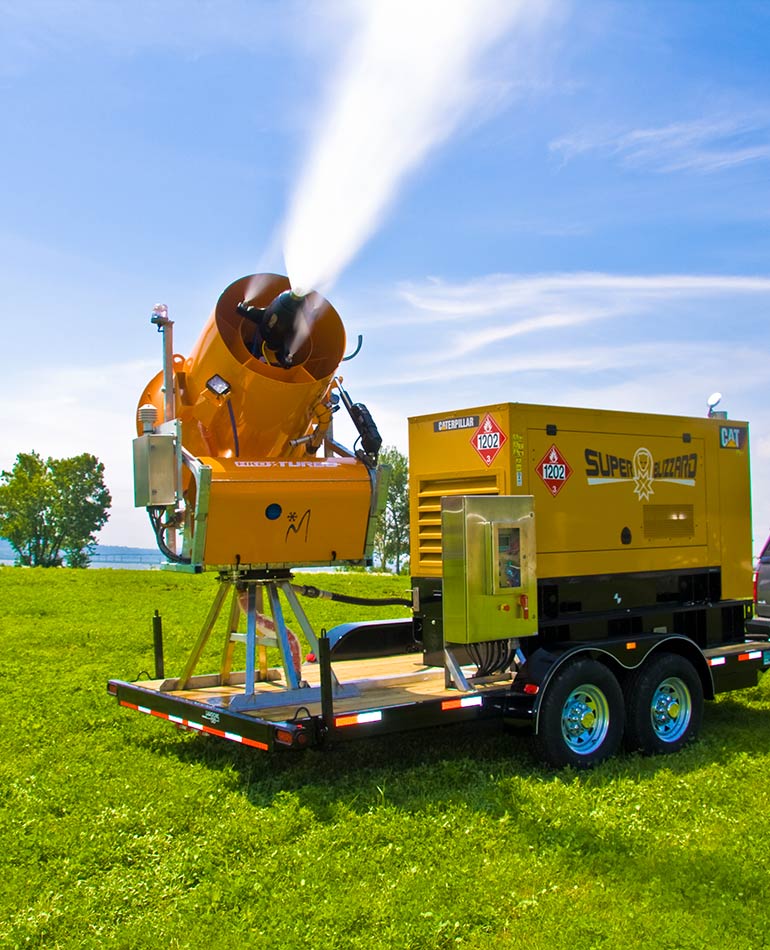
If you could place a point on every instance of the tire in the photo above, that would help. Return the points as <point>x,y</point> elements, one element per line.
<point>581,716</point>
<point>664,705</point>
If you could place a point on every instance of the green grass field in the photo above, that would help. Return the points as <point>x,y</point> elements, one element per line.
<point>119,831</point>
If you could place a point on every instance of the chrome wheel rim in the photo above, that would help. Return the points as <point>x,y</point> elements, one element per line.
<point>585,719</point>
<point>671,709</point>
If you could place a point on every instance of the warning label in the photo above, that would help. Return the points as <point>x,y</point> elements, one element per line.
<point>554,470</point>
<point>488,439</point>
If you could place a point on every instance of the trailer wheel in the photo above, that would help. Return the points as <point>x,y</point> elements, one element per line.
<point>664,705</point>
<point>581,716</point>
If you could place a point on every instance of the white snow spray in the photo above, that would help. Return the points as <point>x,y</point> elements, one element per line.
<point>411,74</point>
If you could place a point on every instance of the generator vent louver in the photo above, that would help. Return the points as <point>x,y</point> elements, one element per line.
<point>669,521</point>
<point>429,513</point>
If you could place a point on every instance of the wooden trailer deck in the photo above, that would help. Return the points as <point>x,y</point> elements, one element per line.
<point>381,681</point>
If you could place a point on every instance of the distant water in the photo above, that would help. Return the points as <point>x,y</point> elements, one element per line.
<point>111,557</point>
<point>97,563</point>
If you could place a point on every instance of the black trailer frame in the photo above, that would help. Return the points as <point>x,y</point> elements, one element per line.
<point>517,699</point>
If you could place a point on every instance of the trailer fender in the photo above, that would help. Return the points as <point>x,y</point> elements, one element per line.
<point>621,657</point>
<point>355,641</point>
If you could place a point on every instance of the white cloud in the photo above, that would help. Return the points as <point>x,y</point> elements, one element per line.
<point>700,145</point>
<point>499,292</point>
<point>535,311</point>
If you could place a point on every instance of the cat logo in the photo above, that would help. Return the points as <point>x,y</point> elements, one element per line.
<point>731,437</point>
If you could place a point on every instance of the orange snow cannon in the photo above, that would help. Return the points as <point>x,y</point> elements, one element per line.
<point>236,460</point>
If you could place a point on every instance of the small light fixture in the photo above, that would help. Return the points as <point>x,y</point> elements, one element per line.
<point>217,385</point>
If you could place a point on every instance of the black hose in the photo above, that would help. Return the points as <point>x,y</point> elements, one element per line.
<point>236,444</point>
<point>156,515</point>
<point>310,591</point>
<point>491,656</point>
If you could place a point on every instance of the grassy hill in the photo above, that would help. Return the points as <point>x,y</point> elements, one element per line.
<point>118,831</point>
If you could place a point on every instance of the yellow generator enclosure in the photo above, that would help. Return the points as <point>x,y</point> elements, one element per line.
<point>613,492</point>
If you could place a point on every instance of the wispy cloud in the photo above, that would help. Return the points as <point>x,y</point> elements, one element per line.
<point>705,145</point>
<point>482,315</point>
<point>496,293</point>
<point>610,362</point>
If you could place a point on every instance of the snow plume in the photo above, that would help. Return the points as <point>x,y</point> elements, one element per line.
<point>413,70</point>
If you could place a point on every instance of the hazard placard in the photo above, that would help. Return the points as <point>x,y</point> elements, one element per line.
<point>554,470</point>
<point>488,439</point>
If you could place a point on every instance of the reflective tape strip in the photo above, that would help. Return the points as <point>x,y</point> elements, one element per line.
<point>359,719</point>
<point>253,742</point>
<point>754,655</point>
<point>717,661</point>
<point>461,703</point>
<point>199,727</point>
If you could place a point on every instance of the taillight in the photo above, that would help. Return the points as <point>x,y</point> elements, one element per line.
<point>756,575</point>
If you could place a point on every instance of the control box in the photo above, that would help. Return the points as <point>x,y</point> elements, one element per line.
<point>490,570</point>
<point>155,465</point>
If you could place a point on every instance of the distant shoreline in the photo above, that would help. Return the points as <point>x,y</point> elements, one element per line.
<point>104,556</point>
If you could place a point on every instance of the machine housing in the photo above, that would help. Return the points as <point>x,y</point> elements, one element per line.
<point>635,513</point>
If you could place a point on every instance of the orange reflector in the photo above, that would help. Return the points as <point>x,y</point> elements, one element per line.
<point>462,703</point>
<point>631,645</point>
<point>346,721</point>
<point>358,719</point>
<point>284,736</point>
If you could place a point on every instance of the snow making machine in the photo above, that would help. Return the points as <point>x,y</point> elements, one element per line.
<point>583,573</point>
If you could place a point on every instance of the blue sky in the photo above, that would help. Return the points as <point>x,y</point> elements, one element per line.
<point>585,222</point>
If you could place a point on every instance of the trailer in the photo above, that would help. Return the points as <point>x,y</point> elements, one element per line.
<point>581,575</point>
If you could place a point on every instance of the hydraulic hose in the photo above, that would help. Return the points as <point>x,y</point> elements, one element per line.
<point>309,591</point>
